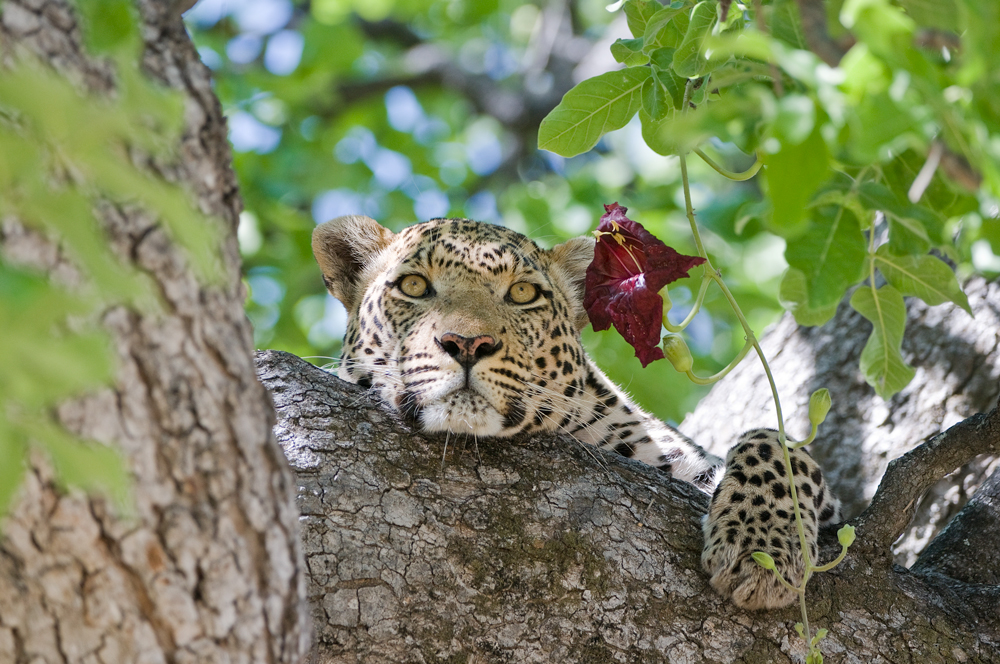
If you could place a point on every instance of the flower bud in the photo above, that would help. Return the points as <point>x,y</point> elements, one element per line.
<point>846,536</point>
<point>677,352</point>
<point>819,406</point>
<point>764,560</point>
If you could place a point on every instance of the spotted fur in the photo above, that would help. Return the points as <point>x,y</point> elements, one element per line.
<point>752,510</point>
<point>465,356</point>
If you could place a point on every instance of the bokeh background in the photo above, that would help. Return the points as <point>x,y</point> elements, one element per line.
<point>409,110</point>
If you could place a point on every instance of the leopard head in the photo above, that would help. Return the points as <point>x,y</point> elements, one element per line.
<point>459,325</point>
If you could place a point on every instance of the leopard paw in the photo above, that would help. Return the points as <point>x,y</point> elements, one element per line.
<point>751,510</point>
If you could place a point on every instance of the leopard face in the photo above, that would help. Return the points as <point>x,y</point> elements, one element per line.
<point>461,326</point>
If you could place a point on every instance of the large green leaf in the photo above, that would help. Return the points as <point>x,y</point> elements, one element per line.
<point>794,296</point>
<point>793,175</point>
<point>689,58</point>
<point>830,255</point>
<point>881,361</point>
<point>926,277</point>
<point>591,109</point>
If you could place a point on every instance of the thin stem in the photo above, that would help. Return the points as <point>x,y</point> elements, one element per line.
<point>803,443</point>
<point>805,614</point>
<point>833,563</point>
<point>694,309</point>
<point>732,175</point>
<point>697,380</point>
<point>784,582</point>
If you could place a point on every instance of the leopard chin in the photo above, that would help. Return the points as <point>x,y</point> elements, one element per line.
<point>461,411</point>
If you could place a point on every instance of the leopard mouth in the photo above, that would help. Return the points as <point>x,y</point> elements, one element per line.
<point>463,410</point>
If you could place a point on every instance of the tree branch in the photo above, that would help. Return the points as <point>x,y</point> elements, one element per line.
<point>541,549</point>
<point>967,548</point>
<point>830,50</point>
<point>907,477</point>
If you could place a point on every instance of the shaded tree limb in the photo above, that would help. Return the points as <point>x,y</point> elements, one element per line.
<point>907,477</point>
<point>967,548</point>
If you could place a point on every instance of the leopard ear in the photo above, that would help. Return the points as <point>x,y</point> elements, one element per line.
<point>572,258</point>
<point>344,247</point>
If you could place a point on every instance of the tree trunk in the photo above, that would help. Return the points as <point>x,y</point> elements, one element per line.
<point>421,548</point>
<point>209,567</point>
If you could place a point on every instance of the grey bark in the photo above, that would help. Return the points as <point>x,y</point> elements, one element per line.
<point>421,548</point>
<point>209,567</point>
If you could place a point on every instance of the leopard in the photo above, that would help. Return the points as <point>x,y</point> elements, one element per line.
<point>467,327</point>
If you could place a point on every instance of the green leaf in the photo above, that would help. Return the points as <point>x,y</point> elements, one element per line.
<point>942,199</point>
<point>638,13</point>
<point>830,256</point>
<point>795,119</point>
<point>880,123</point>
<point>689,60</point>
<point>663,93</point>
<point>752,210</point>
<point>591,109</point>
<point>881,361</point>
<point>793,174</point>
<point>88,466</point>
<point>629,52</point>
<point>108,24</point>
<point>794,296</point>
<point>666,28</point>
<point>786,23</point>
<point>885,29</point>
<point>910,226</point>
<point>936,14</point>
<point>926,277</point>
<point>736,118</point>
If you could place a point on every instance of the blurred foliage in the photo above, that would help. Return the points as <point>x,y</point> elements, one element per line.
<point>62,155</point>
<point>409,110</point>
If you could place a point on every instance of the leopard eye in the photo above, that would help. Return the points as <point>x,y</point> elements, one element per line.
<point>522,293</point>
<point>413,285</point>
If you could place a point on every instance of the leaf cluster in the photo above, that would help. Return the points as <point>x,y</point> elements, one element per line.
<point>870,165</point>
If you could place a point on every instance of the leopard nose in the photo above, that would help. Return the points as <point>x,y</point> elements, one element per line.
<point>468,350</point>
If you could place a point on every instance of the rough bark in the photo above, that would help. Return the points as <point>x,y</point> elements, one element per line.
<point>957,362</point>
<point>209,566</point>
<point>538,549</point>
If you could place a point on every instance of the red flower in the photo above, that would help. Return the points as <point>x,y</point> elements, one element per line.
<point>630,267</point>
